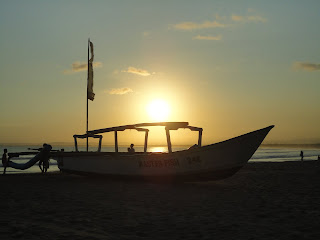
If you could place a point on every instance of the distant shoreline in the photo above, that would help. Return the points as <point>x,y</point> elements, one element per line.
<point>309,146</point>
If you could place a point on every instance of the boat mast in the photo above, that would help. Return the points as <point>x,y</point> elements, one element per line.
<point>87,97</point>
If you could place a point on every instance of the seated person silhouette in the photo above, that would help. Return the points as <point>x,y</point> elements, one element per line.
<point>131,149</point>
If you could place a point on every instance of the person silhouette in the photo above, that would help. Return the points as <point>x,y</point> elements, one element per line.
<point>44,162</point>
<point>5,160</point>
<point>131,149</point>
<point>301,155</point>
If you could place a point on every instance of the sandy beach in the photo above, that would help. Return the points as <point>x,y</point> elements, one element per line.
<point>261,201</point>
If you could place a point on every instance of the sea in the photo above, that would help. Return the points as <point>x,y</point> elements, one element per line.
<point>263,154</point>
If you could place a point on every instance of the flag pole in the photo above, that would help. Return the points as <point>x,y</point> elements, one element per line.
<point>87,96</point>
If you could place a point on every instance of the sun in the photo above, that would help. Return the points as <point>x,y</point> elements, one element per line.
<point>158,110</point>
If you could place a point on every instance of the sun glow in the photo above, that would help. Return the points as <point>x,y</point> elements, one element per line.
<point>158,110</point>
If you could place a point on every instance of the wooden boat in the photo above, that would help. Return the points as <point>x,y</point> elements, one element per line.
<point>215,161</point>
<point>210,162</point>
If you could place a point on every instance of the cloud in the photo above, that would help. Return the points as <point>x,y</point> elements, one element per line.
<point>193,26</point>
<point>81,66</point>
<point>137,71</point>
<point>120,91</point>
<point>238,18</point>
<point>307,66</point>
<point>218,22</point>
<point>189,26</point>
<point>214,38</point>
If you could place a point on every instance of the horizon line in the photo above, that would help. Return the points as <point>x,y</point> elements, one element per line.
<point>159,145</point>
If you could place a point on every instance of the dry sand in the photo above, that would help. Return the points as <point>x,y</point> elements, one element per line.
<point>261,201</point>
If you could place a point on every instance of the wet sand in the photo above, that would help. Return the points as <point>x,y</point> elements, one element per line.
<point>261,201</point>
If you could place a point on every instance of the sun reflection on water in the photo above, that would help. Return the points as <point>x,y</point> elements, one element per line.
<point>158,149</point>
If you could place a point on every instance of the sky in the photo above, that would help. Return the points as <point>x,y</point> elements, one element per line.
<point>228,66</point>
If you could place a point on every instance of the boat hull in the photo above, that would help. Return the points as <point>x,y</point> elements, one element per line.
<point>211,162</point>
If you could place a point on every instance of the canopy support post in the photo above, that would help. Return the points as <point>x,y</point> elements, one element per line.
<point>200,138</point>
<point>168,140</point>
<point>146,141</point>
<point>76,144</point>
<point>116,141</point>
<point>100,140</point>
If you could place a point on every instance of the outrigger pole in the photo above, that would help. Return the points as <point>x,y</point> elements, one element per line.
<point>88,96</point>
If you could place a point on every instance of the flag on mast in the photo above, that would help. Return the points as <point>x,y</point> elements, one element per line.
<point>90,94</point>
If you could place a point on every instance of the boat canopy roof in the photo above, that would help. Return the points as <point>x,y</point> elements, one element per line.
<point>168,125</point>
